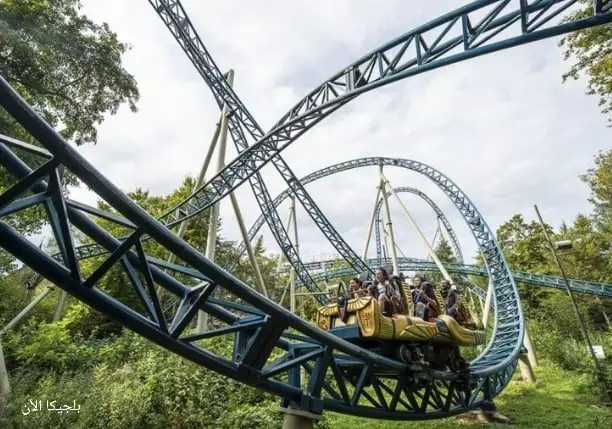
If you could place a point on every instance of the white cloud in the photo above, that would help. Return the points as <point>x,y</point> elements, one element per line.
<point>502,126</point>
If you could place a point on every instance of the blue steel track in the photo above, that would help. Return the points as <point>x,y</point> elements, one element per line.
<point>272,345</point>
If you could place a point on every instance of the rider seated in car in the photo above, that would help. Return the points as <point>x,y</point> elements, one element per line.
<point>424,298</point>
<point>389,298</point>
<point>356,288</point>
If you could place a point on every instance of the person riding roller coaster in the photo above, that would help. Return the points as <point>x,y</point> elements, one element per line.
<point>388,294</point>
<point>424,300</point>
<point>454,304</point>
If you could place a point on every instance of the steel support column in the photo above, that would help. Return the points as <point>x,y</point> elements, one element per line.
<point>292,282</point>
<point>5,386</point>
<point>371,225</point>
<point>247,243</point>
<point>431,251</point>
<point>389,224</point>
<point>61,306</point>
<point>23,313</point>
<point>211,239</point>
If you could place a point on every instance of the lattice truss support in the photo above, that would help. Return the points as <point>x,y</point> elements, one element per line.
<point>271,345</point>
<point>468,32</point>
<point>476,29</point>
<point>179,24</point>
<point>580,286</point>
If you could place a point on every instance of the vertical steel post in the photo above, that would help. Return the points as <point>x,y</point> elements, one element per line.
<point>433,241</point>
<point>247,243</point>
<point>391,244</point>
<point>297,245</point>
<point>292,272</point>
<point>61,306</point>
<point>431,251</point>
<point>585,333</point>
<point>23,313</point>
<point>5,386</point>
<point>526,369</point>
<point>371,226</point>
<point>281,257</point>
<point>211,240</point>
<point>533,360</point>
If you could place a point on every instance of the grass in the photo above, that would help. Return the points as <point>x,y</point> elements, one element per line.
<point>559,399</point>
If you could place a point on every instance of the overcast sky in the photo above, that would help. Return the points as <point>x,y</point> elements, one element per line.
<point>502,126</point>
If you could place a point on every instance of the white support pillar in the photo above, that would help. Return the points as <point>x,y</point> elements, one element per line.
<point>371,226</point>
<point>247,244</point>
<point>292,273</point>
<point>389,225</point>
<point>431,251</point>
<point>5,386</point>
<point>433,241</point>
<point>298,419</point>
<point>297,246</point>
<point>23,313</point>
<point>487,306</point>
<point>61,306</point>
<point>281,257</point>
<point>211,240</point>
<point>526,369</point>
<point>533,360</point>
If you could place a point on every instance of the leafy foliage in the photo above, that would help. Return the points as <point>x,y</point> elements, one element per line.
<point>66,66</point>
<point>592,50</point>
<point>69,69</point>
<point>599,180</point>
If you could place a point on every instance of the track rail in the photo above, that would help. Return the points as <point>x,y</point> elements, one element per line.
<point>265,352</point>
<point>271,345</point>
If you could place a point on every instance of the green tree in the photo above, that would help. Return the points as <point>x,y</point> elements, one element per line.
<point>66,66</point>
<point>591,49</point>
<point>444,251</point>
<point>525,249</point>
<point>599,180</point>
<point>69,69</point>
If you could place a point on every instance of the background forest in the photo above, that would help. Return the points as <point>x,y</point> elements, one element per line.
<point>70,69</point>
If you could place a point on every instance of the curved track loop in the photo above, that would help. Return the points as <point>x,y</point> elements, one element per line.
<point>439,216</point>
<point>456,36</point>
<point>580,286</point>
<point>413,264</point>
<point>266,353</point>
<point>263,352</point>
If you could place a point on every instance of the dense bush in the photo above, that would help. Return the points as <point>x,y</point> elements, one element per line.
<point>127,383</point>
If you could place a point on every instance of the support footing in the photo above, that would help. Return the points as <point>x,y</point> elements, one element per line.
<point>298,419</point>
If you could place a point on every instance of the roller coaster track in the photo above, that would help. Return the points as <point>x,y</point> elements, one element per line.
<point>412,264</point>
<point>439,215</point>
<point>179,24</point>
<point>581,286</point>
<point>272,345</point>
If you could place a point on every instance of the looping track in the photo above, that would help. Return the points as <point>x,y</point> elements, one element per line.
<point>271,345</point>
